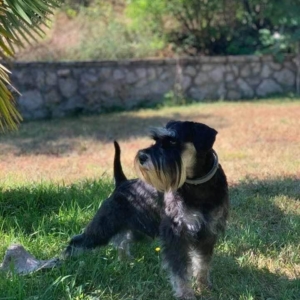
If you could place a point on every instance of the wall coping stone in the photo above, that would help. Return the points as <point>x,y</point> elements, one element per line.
<point>148,61</point>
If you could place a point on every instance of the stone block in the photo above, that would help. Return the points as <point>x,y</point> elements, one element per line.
<point>256,68</point>
<point>159,70</point>
<point>141,72</point>
<point>108,89</point>
<point>268,86</point>
<point>185,82</point>
<point>208,91</point>
<point>290,65</point>
<point>221,91</point>
<point>285,77</point>
<point>130,77</point>
<point>52,97</point>
<point>253,58</point>
<point>40,79</point>
<point>104,73</point>
<point>217,74</point>
<point>88,80</point>
<point>141,83</point>
<point>253,81</point>
<point>207,67</point>
<point>245,88</point>
<point>92,97</point>
<point>296,60</point>
<point>267,58</point>
<point>196,93</point>
<point>158,87</point>
<point>151,73</point>
<point>266,71</point>
<point>24,79</point>
<point>233,95</point>
<point>245,70</point>
<point>237,58</point>
<point>202,78</point>
<point>50,78</point>
<point>64,73</point>
<point>118,74</point>
<point>30,100</point>
<point>233,68</point>
<point>74,103</point>
<point>229,77</point>
<point>165,75</point>
<point>232,85</point>
<point>190,70</point>
<point>31,105</point>
<point>217,59</point>
<point>67,86</point>
<point>275,66</point>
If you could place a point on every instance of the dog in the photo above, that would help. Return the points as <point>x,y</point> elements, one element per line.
<point>181,196</point>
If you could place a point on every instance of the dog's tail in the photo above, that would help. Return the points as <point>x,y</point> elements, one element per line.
<point>119,175</point>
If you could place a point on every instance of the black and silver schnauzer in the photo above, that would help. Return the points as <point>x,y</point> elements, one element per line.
<point>182,197</point>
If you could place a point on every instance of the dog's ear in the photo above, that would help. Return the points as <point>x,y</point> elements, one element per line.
<point>203,137</point>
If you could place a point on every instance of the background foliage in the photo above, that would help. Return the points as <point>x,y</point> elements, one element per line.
<point>217,27</point>
<point>116,29</point>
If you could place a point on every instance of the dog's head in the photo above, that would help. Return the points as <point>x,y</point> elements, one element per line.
<point>173,156</point>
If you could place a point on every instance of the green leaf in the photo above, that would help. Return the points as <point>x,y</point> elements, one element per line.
<point>5,48</point>
<point>23,14</point>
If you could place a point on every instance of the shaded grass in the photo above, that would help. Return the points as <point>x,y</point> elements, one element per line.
<point>258,258</point>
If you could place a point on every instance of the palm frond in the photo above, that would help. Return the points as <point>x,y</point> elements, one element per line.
<point>20,21</point>
<point>9,116</point>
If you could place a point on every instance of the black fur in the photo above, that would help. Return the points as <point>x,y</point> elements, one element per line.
<point>119,175</point>
<point>187,220</point>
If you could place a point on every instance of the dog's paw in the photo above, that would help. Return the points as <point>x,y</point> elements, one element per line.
<point>76,246</point>
<point>203,284</point>
<point>186,294</point>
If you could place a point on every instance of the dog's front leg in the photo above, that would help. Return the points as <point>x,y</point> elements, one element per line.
<point>176,258</point>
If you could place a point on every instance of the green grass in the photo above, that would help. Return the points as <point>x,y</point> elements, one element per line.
<point>258,258</point>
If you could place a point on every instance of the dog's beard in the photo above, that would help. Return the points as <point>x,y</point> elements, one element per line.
<point>164,177</point>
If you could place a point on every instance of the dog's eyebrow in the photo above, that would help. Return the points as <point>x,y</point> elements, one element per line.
<point>161,132</point>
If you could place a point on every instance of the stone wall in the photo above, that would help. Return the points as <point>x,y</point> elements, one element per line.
<point>64,88</point>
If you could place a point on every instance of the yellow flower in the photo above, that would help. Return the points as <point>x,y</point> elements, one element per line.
<point>157,249</point>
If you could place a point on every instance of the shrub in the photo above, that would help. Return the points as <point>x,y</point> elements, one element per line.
<point>217,27</point>
<point>107,35</point>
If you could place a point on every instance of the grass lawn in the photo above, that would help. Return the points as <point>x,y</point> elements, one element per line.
<point>54,175</point>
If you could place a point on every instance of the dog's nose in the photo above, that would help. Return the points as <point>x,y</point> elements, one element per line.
<point>143,157</point>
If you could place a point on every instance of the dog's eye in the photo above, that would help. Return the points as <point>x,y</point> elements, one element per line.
<point>172,142</point>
